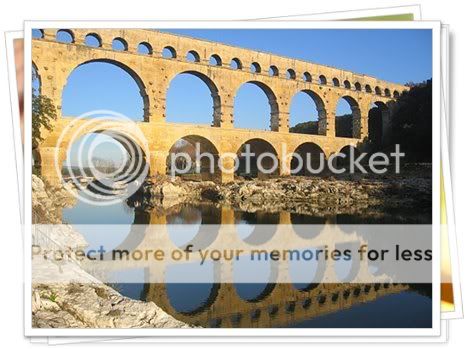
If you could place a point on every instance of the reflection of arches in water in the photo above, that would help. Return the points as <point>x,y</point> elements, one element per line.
<point>135,236</point>
<point>306,270</point>
<point>186,215</point>
<point>194,225</point>
<point>345,222</point>
<point>131,283</point>
<point>347,267</point>
<point>261,161</point>
<point>389,216</point>
<point>254,279</point>
<point>256,228</point>
<point>283,306</point>
<point>311,159</point>
<point>191,287</point>
<point>306,226</point>
<point>129,225</point>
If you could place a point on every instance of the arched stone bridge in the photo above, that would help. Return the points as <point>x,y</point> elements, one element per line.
<point>224,69</point>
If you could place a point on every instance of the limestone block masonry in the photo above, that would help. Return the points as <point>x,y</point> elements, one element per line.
<point>224,69</point>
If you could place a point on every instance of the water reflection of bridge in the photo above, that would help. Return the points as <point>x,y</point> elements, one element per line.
<point>284,305</point>
<point>282,301</point>
<point>219,230</point>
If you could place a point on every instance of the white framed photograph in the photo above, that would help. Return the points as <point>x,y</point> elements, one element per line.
<point>233,194</point>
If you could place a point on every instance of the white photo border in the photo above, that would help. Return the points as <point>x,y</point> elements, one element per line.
<point>435,26</point>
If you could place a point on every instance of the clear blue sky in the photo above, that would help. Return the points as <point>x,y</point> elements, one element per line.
<point>396,55</point>
<point>389,54</point>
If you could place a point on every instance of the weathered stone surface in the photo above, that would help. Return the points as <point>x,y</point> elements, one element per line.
<point>169,190</point>
<point>48,200</point>
<point>95,306</point>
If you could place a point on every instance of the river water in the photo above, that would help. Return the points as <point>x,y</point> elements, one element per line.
<point>260,303</point>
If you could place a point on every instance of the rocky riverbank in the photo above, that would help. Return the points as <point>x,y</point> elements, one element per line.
<point>89,304</point>
<point>47,200</point>
<point>306,195</point>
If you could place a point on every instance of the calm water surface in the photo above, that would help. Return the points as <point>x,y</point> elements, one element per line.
<point>260,303</point>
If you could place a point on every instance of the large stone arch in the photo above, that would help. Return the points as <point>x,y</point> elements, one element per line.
<point>272,100</point>
<point>56,60</point>
<point>133,145</point>
<point>310,154</point>
<point>155,71</point>
<point>133,74</point>
<point>380,118</point>
<point>344,160</point>
<point>248,165</point>
<point>192,144</point>
<point>356,114</point>
<point>217,115</point>
<point>320,106</point>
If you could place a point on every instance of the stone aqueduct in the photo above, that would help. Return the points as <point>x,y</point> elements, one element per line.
<point>279,77</point>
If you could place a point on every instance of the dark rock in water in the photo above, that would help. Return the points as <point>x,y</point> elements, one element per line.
<point>211,194</point>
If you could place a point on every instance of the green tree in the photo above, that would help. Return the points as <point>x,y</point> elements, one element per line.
<point>412,122</point>
<point>43,112</point>
<point>308,127</point>
<point>344,126</point>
